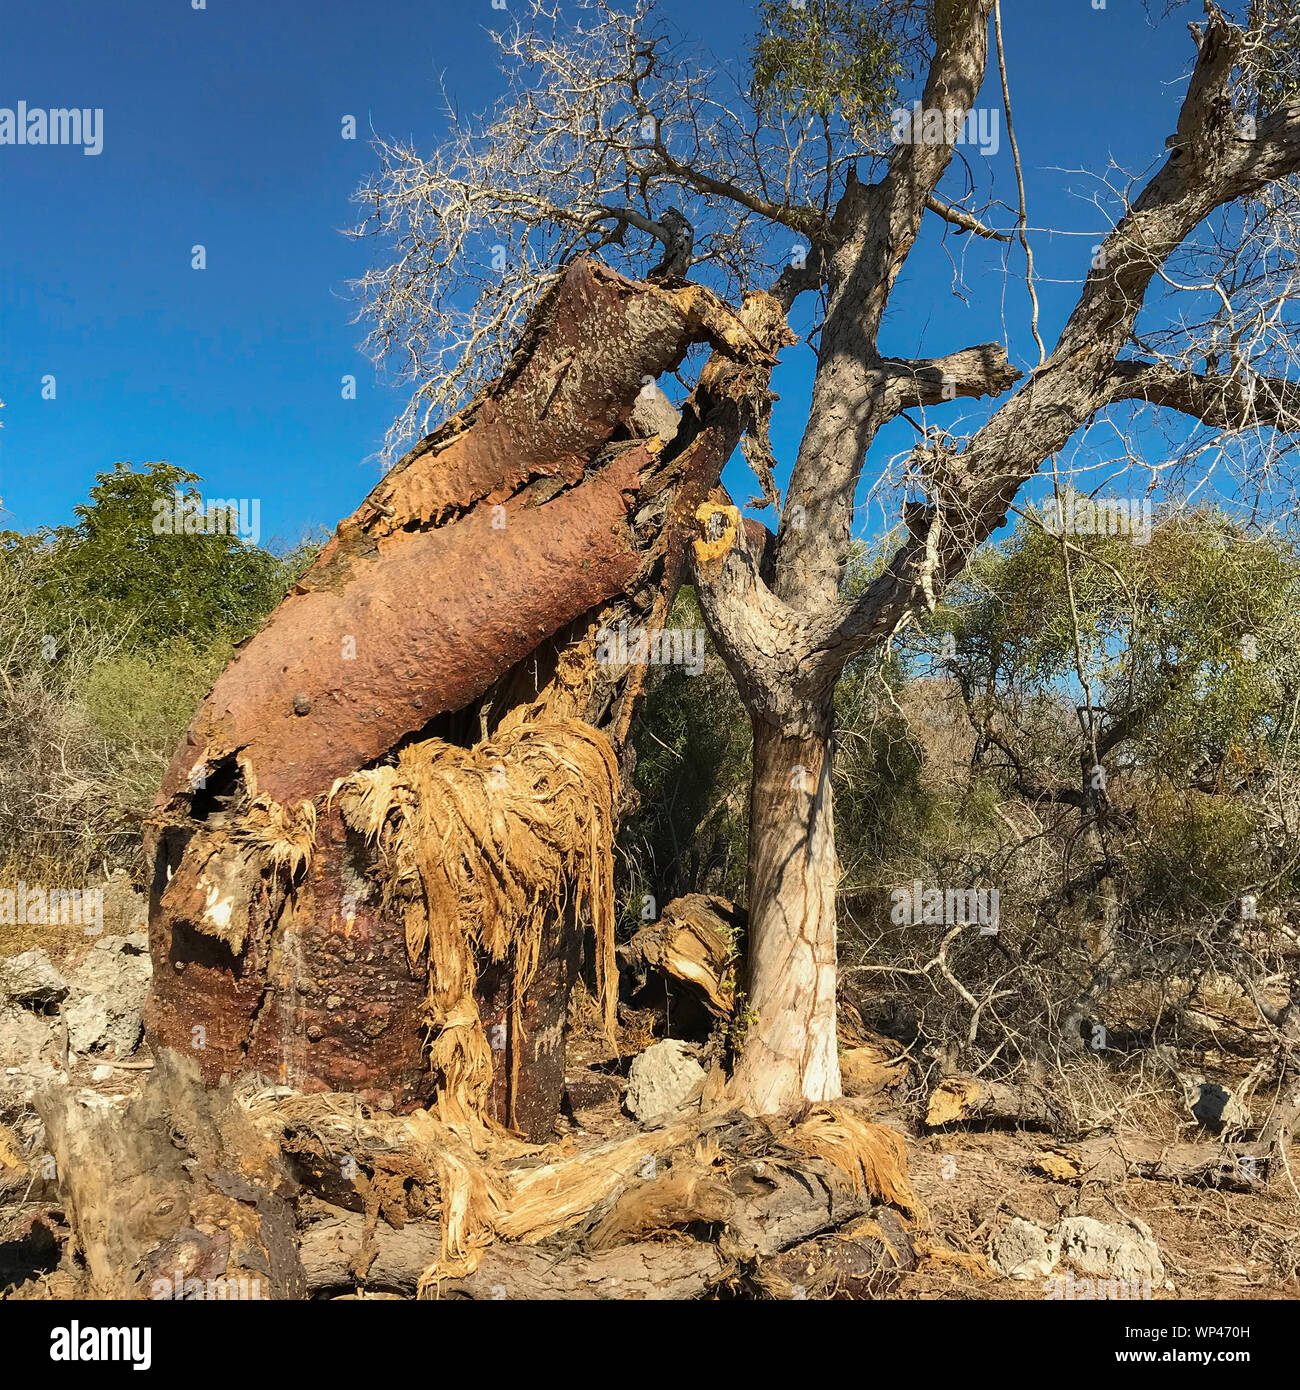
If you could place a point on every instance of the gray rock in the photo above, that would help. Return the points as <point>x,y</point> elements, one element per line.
<point>1110,1252</point>
<point>1024,1251</point>
<point>32,1050</point>
<point>30,1044</point>
<point>31,980</point>
<point>1216,1108</point>
<point>105,1011</point>
<point>661,1079</point>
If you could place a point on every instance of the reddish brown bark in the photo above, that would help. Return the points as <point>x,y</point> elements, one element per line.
<point>456,620</point>
<point>438,594</point>
<point>339,676</point>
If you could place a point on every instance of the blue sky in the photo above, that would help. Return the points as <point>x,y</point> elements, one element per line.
<point>222,128</point>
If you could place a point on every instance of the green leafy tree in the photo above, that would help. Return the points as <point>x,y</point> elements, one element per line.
<point>828,59</point>
<point>118,571</point>
<point>1188,643</point>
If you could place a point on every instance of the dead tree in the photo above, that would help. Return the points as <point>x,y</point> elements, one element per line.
<point>462,600</point>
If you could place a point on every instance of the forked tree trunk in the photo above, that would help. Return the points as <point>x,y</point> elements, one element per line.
<point>789,1055</point>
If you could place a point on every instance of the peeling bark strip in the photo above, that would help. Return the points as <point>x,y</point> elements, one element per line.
<point>459,599</point>
<point>487,852</point>
<point>435,611</point>
<point>651,1271</point>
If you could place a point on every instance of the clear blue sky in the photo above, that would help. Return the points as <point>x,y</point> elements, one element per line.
<point>222,127</point>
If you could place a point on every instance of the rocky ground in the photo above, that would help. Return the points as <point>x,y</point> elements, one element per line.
<point>1013,1211</point>
<point>1023,1220</point>
<point>71,1015</point>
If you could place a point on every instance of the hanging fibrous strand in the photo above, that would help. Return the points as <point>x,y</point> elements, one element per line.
<point>481,850</point>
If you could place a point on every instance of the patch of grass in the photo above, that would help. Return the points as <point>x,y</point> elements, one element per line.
<point>57,939</point>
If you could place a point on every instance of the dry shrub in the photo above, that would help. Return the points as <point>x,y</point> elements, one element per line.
<point>88,723</point>
<point>53,770</point>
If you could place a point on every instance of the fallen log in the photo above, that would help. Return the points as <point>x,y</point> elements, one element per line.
<point>687,1195</point>
<point>177,1197</point>
<point>752,1187</point>
<point>863,1261</point>
<point>191,1192</point>
<point>1111,1158</point>
<point>680,1270</point>
<point>964,1100</point>
<point>763,1208</point>
<point>1237,1164</point>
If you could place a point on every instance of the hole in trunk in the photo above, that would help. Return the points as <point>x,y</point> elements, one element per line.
<point>34,1250</point>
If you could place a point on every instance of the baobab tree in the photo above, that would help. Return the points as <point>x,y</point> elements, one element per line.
<point>802,179</point>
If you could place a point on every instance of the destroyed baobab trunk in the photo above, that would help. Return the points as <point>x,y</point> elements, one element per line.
<point>349,839</point>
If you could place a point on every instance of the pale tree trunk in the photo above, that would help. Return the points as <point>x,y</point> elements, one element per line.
<point>781,643</point>
<point>786,644</point>
<point>789,1052</point>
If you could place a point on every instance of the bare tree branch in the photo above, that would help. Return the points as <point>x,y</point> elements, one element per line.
<point>973,372</point>
<point>959,217</point>
<point>971,491</point>
<point>1234,402</point>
